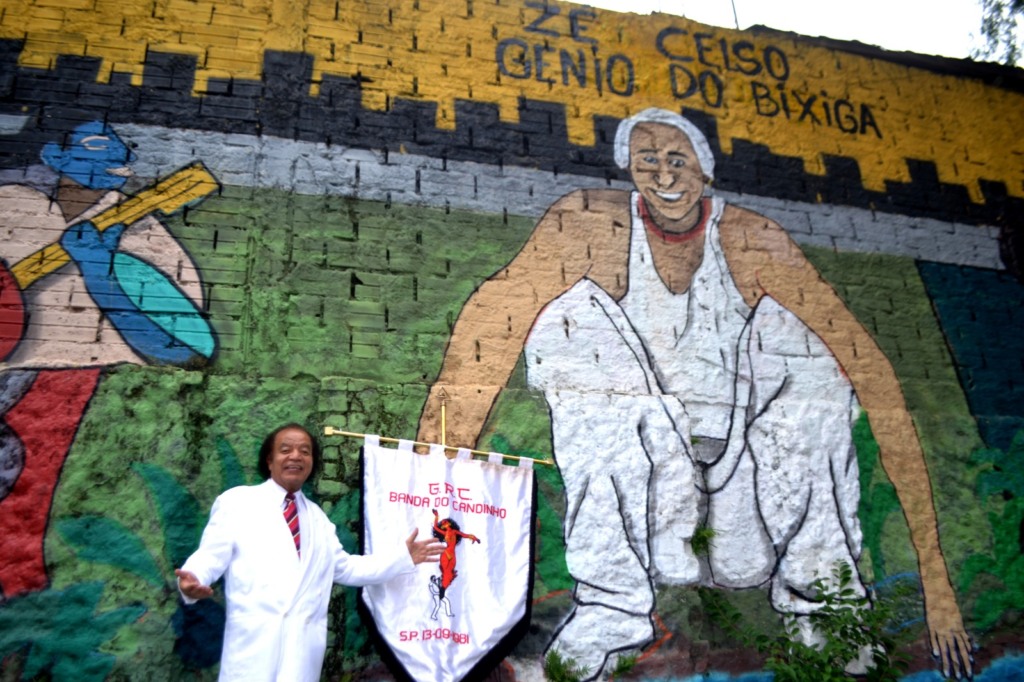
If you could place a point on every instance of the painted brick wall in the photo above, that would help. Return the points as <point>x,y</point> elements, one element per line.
<point>374,220</point>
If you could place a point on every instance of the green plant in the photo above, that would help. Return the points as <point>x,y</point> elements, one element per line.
<point>845,629</point>
<point>623,665</point>
<point>701,540</point>
<point>558,669</point>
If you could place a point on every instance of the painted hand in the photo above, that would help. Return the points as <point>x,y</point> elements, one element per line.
<point>949,641</point>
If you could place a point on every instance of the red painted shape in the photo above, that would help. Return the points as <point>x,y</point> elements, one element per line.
<point>660,624</point>
<point>46,419</point>
<point>12,312</point>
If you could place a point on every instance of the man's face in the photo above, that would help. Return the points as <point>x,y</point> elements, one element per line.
<point>291,460</point>
<point>665,169</point>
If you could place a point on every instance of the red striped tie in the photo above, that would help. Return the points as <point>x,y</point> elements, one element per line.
<point>291,517</point>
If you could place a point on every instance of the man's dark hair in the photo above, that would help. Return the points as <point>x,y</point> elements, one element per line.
<point>268,448</point>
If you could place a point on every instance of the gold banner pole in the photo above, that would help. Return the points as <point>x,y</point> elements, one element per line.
<point>444,424</point>
<point>331,431</point>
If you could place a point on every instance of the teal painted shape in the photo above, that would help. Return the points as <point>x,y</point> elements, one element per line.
<point>104,541</point>
<point>1009,668</point>
<point>347,509</point>
<point>1006,669</point>
<point>550,566</point>
<point>163,303</point>
<point>61,633</point>
<point>1007,472</point>
<point>231,469</point>
<point>178,509</point>
<point>1005,562</point>
<point>980,312</point>
<point>714,676</point>
<point>878,500</point>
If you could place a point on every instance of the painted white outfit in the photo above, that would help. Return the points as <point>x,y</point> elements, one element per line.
<point>276,601</point>
<point>671,411</point>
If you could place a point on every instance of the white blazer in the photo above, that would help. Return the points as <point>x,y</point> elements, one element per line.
<point>276,602</point>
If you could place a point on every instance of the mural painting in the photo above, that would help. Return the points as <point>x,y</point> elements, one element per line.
<point>699,373</point>
<point>755,293</point>
<point>91,280</point>
<point>136,298</point>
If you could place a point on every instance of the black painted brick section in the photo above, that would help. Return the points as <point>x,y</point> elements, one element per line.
<point>280,105</point>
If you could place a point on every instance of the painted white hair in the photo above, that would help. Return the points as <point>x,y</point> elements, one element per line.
<point>666,117</point>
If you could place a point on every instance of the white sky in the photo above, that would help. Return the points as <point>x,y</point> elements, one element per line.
<point>938,27</point>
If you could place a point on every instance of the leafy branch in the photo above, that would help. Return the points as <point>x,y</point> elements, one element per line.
<point>845,634</point>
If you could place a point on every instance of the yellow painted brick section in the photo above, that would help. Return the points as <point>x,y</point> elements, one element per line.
<point>44,19</point>
<point>176,10</point>
<point>65,4</point>
<point>440,51</point>
<point>41,49</point>
<point>338,34</point>
<point>209,35</point>
<point>240,18</point>
<point>230,61</point>
<point>122,57</point>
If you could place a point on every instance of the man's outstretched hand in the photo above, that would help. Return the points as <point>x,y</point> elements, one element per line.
<point>424,550</point>
<point>190,585</point>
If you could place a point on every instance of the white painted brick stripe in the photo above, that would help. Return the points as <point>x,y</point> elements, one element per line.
<point>315,168</point>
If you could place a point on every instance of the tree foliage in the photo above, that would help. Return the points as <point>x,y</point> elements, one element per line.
<point>1001,29</point>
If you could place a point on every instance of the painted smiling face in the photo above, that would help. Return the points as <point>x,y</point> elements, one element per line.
<point>291,460</point>
<point>665,170</point>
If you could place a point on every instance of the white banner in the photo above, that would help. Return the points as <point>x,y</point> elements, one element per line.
<point>442,619</point>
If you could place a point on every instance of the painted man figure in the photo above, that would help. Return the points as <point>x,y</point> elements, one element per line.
<point>127,294</point>
<point>699,372</point>
<point>280,557</point>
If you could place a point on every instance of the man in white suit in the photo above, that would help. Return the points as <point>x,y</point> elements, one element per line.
<point>277,586</point>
